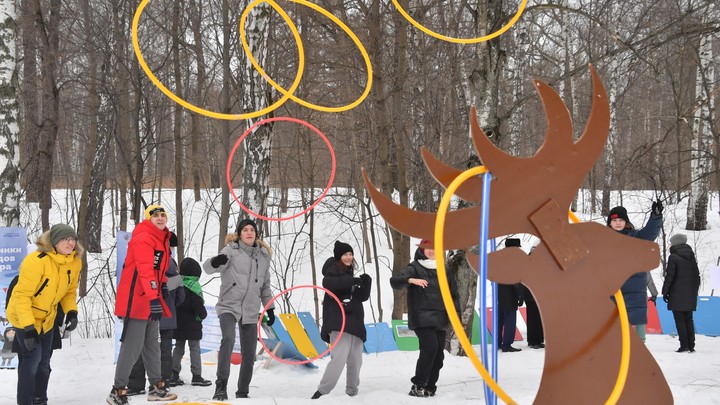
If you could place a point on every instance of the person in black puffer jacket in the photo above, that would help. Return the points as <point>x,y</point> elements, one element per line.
<point>680,289</point>
<point>339,279</point>
<point>427,316</point>
<point>190,315</point>
<point>634,290</point>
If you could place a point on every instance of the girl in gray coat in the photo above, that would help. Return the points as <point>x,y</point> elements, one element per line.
<point>244,267</point>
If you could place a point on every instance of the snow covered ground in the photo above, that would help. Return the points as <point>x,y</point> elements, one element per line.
<point>83,374</point>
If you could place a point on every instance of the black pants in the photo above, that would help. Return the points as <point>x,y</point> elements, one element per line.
<point>535,335</point>
<point>432,354</point>
<point>137,375</point>
<point>685,328</point>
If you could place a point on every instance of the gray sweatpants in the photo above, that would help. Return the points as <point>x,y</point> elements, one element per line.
<point>141,338</point>
<point>195,359</point>
<point>348,351</point>
<point>248,345</point>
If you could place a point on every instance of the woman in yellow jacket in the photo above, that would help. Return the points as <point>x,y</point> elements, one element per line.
<point>48,277</point>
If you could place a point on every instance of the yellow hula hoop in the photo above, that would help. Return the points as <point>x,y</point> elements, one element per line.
<point>445,287</point>
<point>457,324</point>
<point>203,111</point>
<point>462,40</point>
<point>625,339</point>
<point>289,93</point>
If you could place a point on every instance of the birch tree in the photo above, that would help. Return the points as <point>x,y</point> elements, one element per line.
<point>9,130</point>
<point>258,146</point>
<point>702,132</point>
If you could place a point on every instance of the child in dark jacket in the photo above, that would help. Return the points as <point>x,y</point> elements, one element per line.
<point>189,323</point>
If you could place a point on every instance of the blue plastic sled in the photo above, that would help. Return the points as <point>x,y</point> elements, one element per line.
<point>287,352</point>
<point>312,330</point>
<point>379,338</point>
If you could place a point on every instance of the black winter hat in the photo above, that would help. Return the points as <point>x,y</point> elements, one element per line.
<point>173,240</point>
<point>618,212</point>
<point>510,242</point>
<point>190,267</point>
<point>340,249</point>
<point>245,222</point>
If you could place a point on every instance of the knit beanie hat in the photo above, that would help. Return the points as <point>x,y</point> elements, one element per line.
<point>618,212</point>
<point>245,222</point>
<point>59,232</point>
<point>425,244</point>
<point>510,242</point>
<point>340,249</point>
<point>173,240</point>
<point>152,209</point>
<point>190,267</point>
<point>678,239</point>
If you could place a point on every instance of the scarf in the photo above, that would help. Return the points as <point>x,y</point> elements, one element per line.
<point>192,283</point>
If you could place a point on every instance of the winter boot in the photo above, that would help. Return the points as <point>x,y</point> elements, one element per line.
<point>158,392</point>
<point>197,380</point>
<point>316,395</point>
<point>220,391</point>
<point>239,394</point>
<point>418,391</point>
<point>175,380</point>
<point>430,391</point>
<point>118,396</point>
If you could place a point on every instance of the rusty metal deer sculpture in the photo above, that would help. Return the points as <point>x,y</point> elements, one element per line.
<point>575,269</point>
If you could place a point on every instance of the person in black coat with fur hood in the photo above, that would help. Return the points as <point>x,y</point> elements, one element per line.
<point>680,289</point>
<point>339,279</point>
<point>427,316</point>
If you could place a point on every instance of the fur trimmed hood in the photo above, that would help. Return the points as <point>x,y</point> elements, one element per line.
<point>44,245</point>
<point>234,238</point>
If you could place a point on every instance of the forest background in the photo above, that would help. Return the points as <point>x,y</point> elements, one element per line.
<point>78,113</point>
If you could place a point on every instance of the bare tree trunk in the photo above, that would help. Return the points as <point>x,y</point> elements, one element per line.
<point>50,104</point>
<point>31,180</point>
<point>92,136</point>
<point>196,17</point>
<point>257,148</point>
<point>702,134</point>
<point>177,132</point>
<point>9,130</point>
<point>224,137</point>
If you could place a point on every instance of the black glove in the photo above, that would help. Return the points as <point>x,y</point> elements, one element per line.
<point>520,302</point>
<point>218,260</point>
<point>666,298</point>
<point>71,321</point>
<point>357,282</point>
<point>156,311</point>
<point>31,338</point>
<point>271,317</point>
<point>657,208</point>
<point>653,298</point>
<point>165,291</point>
<point>365,279</point>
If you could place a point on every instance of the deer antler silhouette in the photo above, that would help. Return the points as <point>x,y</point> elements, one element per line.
<point>575,269</point>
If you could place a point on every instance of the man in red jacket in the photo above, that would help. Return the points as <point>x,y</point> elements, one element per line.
<point>140,302</point>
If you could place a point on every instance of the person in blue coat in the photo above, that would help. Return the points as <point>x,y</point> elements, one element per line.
<point>634,289</point>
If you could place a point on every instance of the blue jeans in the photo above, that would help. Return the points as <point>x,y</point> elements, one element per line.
<point>33,368</point>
